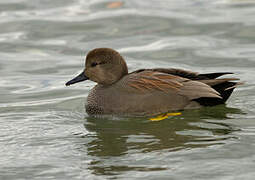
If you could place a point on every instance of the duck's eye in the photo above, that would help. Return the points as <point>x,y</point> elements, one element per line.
<point>94,64</point>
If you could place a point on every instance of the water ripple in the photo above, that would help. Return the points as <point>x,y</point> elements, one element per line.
<point>44,130</point>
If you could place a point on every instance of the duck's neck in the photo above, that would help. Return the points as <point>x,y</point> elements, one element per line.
<point>124,67</point>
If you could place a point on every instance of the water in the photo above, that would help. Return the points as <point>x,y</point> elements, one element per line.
<point>44,130</point>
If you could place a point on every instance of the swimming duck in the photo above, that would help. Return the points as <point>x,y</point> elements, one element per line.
<point>147,92</point>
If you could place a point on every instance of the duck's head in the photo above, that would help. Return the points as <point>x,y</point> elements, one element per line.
<point>104,66</point>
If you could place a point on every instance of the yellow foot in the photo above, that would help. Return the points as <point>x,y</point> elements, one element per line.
<point>164,116</point>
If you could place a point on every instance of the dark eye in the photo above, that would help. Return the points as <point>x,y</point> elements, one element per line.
<point>93,64</point>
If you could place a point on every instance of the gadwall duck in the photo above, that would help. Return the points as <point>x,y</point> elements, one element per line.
<point>147,92</point>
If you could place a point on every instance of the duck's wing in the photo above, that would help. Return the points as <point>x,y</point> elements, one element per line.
<point>224,86</point>
<point>147,81</point>
<point>186,74</point>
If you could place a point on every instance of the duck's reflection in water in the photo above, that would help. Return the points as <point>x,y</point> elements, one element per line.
<point>111,137</point>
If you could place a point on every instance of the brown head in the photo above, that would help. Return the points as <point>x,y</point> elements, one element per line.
<point>104,66</point>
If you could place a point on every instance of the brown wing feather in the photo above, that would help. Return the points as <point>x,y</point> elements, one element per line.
<point>149,80</point>
<point>157,81</point>
<point>195,89</point>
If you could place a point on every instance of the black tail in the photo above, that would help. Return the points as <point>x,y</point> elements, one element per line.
<point>225,89</point>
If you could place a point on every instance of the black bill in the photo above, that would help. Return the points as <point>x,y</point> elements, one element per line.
<point>79,78</point>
